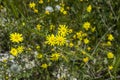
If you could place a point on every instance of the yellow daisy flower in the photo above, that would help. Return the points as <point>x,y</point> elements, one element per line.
<point>16,37</point>
<point>44,65</point>
<point>86,25</point>
<point>39,56</point>
<point>63,30</point>
<point>89,8</point>
<point>86,41</point>
<point>60,40</point>
<point>20,49</point>
<point>51,40</point>
<point>55,56</point>
<point>110,67</point>
<point>71,44</point>
<point>32,5</point>
<point>110,37</point>
<point>110,55</point>
<point>14,52</point>
<point>86,59</point>
<point>38,27</point>
<point>41,1</point>
<point>35,10</point>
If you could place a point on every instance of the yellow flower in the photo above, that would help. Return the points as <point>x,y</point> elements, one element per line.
<point>62,30</point>
<point>23,23</point>
<point>110,37</point>
<point>51,40</point>
<point>14,52</point>
<point>44,65</point>
<point>109,43</point>
<point>6,77</point>
<point>110,55</point>
<point>79,35</point>
<point>61,9</point>
<point>20,49</point>
<point>38,27</point>
<point>89,8</point>
<point>47,12</point>
<point>81,0</point>
<point>83,52</point>
<point>55,56</point>
<point>35,10</point>
<point>32,5</point>
<point>84,34</point>
<point>68,8</point>
<point>60,40</point>
<point>70,31</point>
<point>53,49</point>
<point>52,27</point>
<point>86,59</point>
<point>48,1</point>
<point>74,36</point>
<point>86,25</point>
<point>39,56</point>
<point>88,48</point>
<point>86,41</point>
<point>29,49</point>
<point>93,29</point>
<point>16,37</point>
<point>64,12</point>
<point>1,7</point>
<point>4,60</point>
<point>41,1</point>
<point>71,44</point>
<point>110,67</point>
<point>37,47</point>
<point>62,4</point>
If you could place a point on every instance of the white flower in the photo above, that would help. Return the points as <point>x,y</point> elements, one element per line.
<point>56,0</point>
<point>15,68</point>
<point>11,57</point>
<point>49,8</point>
<point>30,65</point>
<point>73,78</point>
<point>36,53</point>
<point>57,7</point>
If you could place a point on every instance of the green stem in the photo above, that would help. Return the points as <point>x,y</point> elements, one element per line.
<point>101,40</point>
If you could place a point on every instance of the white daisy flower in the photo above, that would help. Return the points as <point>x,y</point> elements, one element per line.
<point>49,8</point>
<point>57,7</point>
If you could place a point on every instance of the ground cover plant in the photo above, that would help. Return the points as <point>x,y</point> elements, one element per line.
<point>59,40</point>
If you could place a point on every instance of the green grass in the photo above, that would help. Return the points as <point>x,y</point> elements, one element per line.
<point>17,16</point>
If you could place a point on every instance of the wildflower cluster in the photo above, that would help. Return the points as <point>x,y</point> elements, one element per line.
<point>16,51</point>
<point>57,39</point>
<point>60,38</point>
<point>16,38</point>
<point>32,5</point>
<point>110,54</point>
<point>62,9</point>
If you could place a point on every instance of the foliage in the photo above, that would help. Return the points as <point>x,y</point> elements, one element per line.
<point>59,39</point>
